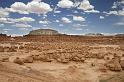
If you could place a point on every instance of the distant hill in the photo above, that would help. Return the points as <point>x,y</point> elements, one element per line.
<point>94,34</point>
<point>119,35</point>
<point>44,32</point>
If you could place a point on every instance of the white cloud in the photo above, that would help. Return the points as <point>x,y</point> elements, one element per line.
<point>76,3</point>
<point>75,12</point>
<point>3,20</point>
<point>78,18</point>
<point>85,5</point>
<point>37,0</point>
<point>57,21</point>
<point>79,25</point>
<point>22,25</point>
<point>92,11</point>
<point>1,25</point>
<point>44,22</point>
<point>57,11</point>
<point>113,12</point>
<point>35,6</point>
<point>3,13</point>
<point>65,20</point>
<point>11,20</point>
<point>19,7</point>
<point>121,12</point>
<point>25,19</point>
<point>7,29</point>
<point>23,28</point>
<point>101,17</point>
<point>119,24</point>
<point>38,7</point>
<point>65,4</point>
<point>78,29</point>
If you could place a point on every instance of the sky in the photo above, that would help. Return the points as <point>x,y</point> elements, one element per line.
<point>77,17</point>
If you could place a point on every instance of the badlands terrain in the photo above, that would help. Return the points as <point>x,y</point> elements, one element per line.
<point>62,58</point>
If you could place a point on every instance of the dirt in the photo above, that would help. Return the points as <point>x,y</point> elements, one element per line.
<point>61,60</point>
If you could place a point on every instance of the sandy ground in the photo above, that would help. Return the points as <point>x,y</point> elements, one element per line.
<point>40,71</point>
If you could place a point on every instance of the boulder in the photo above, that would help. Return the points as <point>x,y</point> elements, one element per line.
<point>37,57</point>
<point>122,64</point>
<point>114,65</point>
<point>1,49</point>
<point>5,59</point>
<point>28,59</point>
<point>18,61</point>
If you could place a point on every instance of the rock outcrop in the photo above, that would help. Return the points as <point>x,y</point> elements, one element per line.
<point>114,65</point>
<point>44,32</point>
<point>18,61</point>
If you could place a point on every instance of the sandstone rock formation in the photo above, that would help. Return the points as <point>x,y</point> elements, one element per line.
<point>114,65</point>
<point>44,32</point>
<point>122,64</point>
<point>18,61</point>
<point>28,59</point>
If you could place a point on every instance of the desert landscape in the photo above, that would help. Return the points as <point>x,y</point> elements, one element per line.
<point>61,58</point>
<point>61,40</point>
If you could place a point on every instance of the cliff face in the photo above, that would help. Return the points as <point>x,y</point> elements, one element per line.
<point>44,32</point>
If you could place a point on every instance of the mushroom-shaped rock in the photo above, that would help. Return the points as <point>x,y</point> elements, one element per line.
<point>122,64</point>
<point>1,49</point>
<point>5,59</point>
<point>28,59</point>
<point>114,65</point>
<point>18,61</point>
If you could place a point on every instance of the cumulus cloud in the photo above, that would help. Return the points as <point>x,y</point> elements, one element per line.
<point>65,20</point>
<point>44,22</point>
<point>121,12</point>
<point>38,7</point>
<point>101,17</point>
<point>21,25</point>
<point>85,5</point>
<point>3,20</point>
<point>115,10</point>
<point>4,12</point>
<point>65,4</point>
<point>57,21</point>
<point>11,20</point>
<point>57,11</point>
<point>78,18</point>
<point>19,7</point>
<point>24,19</point>
<point>35,6</point>
<point>92,11</point>
<point>112,12</point>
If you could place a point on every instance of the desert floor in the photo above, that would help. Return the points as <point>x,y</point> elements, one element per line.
<point>61,62</point>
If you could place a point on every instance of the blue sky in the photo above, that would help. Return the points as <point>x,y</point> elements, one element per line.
<point>18,17</point>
